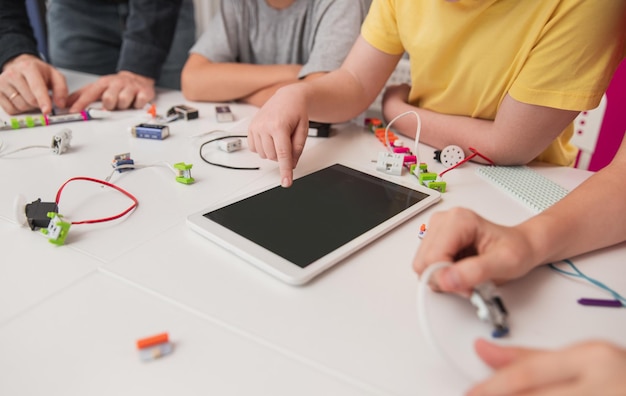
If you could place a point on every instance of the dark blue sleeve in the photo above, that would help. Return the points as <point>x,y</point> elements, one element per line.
<point>148,36</point>
<point>16,34</point>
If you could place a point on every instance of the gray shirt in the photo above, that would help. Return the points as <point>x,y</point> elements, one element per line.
<point>314,33</point>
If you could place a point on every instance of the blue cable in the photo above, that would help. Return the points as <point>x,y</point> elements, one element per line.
<point>579,274</point>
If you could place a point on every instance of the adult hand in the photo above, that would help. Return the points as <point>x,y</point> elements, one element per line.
<point>279,130</point>
<point>121,91</point>
<point>479,249</point>
<point>589,368</point>
<point>25,83</point>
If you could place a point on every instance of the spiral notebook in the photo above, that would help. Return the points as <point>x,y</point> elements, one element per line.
<point>525,185</point>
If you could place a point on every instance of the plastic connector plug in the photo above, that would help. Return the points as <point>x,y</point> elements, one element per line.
<point>401,150</point>
<point>390,163</point>
<point>61,141</point>
<point>123,162</point>
<point>154,347</point>
<point>436,185</point>
<point>427,176</point>
<point>319,129</point>
<point>490,308</point>
<point>57,229</point>
<point>422,232</point>
<point>223,114</point>
<point>230,145</point>
<point>183,173</point>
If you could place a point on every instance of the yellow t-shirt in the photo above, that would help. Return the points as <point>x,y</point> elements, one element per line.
<point>467,55</point>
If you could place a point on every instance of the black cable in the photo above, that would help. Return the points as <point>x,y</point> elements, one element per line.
<point>222,165</point>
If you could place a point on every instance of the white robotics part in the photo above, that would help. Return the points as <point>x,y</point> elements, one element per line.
<point>61,141</point>
<point>490,308</point>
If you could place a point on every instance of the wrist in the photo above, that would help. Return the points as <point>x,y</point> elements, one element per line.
<point>19,59</point>
<point>294,90</point>
<point>138,77</point>
<point>539,235</point>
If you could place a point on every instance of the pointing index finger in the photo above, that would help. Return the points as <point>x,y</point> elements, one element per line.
<point>285,159</point>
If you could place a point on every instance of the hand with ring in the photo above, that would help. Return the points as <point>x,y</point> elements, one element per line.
<point>25,83</point>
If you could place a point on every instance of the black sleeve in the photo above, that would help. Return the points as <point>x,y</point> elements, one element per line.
<point>148,36</point>
<point>16,34</point>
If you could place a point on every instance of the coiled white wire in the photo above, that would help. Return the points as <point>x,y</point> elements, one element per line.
<point>422,316</point>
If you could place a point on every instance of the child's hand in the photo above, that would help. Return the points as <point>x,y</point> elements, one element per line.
<point>279,130</point>
<point>480,250</point>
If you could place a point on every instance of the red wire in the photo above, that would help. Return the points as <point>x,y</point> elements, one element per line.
<point>473,150</point>
<point>475,153</point>
<point>129,195</point>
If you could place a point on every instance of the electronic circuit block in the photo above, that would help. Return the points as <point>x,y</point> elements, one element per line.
<point>318,129</point>
<point>223,114</point>
<point>61,141</point>
<point>37,213</point>
<point>150,131</point>
<point>490,308</point>
<point>57,229</point>
<point>390,163</point>
<point>123,163</point>
<point>183,173</point>
<point>230,145</point>
<point>183,112</point>
<point>154,347</point>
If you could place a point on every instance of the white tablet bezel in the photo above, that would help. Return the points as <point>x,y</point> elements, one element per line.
<point>286,270</point>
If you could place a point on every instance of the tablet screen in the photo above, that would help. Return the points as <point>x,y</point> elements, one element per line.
<point>317,214</point>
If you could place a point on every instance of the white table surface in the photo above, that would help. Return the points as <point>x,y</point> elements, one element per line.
<point>69,315</point>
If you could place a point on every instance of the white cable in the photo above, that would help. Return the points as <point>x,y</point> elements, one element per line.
<point>418,131</point>
<point>118,169</point>
<point>22,149</point>
<point>422,316</point>
<point>135,166</point>
<point>201,134</point>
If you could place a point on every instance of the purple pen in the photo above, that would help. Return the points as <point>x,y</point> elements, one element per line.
<point>596,302</point>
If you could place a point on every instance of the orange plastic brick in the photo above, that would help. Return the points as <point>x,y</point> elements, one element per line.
<point>380,134</point>
<point>153,340</point>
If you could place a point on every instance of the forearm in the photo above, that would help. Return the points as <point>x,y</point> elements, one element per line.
<point>441,130</point>
<point>261,96</point>
<point>219,82</point>
<point>588,218</point>
<point>16,35</point>
<point>335,97</point>
<point>346,92</point>
<point>519,133</point>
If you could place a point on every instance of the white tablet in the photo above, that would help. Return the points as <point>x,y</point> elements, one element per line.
<point>296,233</point>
